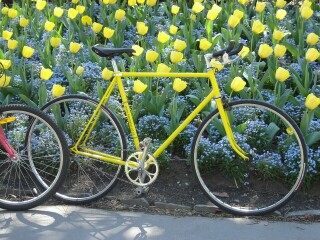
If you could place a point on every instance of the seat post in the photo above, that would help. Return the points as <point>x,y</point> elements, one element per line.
<point>114,65</point>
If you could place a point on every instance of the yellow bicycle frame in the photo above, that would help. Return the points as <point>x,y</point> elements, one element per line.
<point>79,147</point>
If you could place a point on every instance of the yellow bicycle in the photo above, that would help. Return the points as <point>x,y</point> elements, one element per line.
<point>248,156</point>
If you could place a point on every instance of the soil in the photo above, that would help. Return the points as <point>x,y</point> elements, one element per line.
<point>176,184</point>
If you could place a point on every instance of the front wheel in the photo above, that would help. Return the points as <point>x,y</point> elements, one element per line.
<point>277,158</point>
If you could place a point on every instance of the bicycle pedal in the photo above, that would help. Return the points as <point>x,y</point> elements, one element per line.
<point>141,190</point>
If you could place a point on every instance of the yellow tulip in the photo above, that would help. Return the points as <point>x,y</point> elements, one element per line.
<point>96,27</point>
<point>5,63</point>
<point>212,14</point>
<point>108,32</point>
<point>72,13</point>
<point>197,7</point>
<point>179,85</point>
<point>107,74</point>
<point>40,5</point>
<point>75,1</point>
<point>151,56</point>
<point>179,45</point>
<point>282,74</point>
<point>258,27</point>
<point>216,64</point>
<point>260,6</point>
<point>280,3</point>
<point>45,73</point>
<point>12,44</point>
<point>55,41</point>
<point>277,35</point>
<point>238,84</point>
<point>244,51</point>
<point>23,22</point>
<point>120,14</point>
<point>279,50</point>
<point>306,3</point>
<point>6,35</point>
<point>163,37</point>
<point>162,68</point>
<point>312,54</point>
<point>4,10</point>
<point>142,28</point>
<point>48,26</point>
<point>312,101</point>
<point>12,13</point>
<point>265,50</point>
<point>74,47</point>
<point>243,1</point>
<point>4,80</point>
<point>86,20</point>
<point>139,87</point>
<point>233,21</point>
<point>141,1</point>
<point>176,57</point>
<point>173,29</point>
<point>289,130</point>
<point>27,52</point>
<point>151,3</point>
<point>58,12</point>
<point>312,38</point>
<point>239,14</point>
<point>131,3</point>
<point>280,14</point>
<point>175,9</point>
<point>193,17</point>
<point>57,90</point>
<point>80,9</point>
<point>138,50</point>
<point>79,70</point>
<point>204,44</point>
<point>306,12</point>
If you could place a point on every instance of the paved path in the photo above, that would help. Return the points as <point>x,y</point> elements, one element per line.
<point>69,222</point>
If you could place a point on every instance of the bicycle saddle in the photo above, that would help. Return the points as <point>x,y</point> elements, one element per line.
<point>111,52</point>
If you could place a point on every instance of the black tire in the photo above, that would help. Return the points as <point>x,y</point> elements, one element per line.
<point>274,171</point>
<point>40,166</point>
<point>88,179</point>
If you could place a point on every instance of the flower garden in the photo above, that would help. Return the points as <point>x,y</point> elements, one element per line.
<point>45,48</point>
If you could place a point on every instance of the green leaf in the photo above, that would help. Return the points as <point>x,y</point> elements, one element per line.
<point>272,129</point>
<point>312,138</point>
<point>28,101</point>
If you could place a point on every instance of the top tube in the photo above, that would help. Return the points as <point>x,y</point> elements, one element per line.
<point>158,74</point>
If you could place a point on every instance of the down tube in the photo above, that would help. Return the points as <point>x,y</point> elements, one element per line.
<point>184,124</point>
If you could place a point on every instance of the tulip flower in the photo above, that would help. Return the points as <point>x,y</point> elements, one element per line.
<point>5,63</point>
<point>97,27</point>
<point>282,74</point>
<point>289,130</point>
<point>6,35</point>
<point>151,3</point>
<point>260,6</point>
<point>74,47</point>
<point>243,1</point>
<point>163,37</point>
<point>108,32</point>
<point>179,85</point>
<point>280,14</point>
<point>138,50</point>
<point>280,3</point>
<point>239,14</point>
<point>216,64</point>
<point>204,44</point>
<point>258,27</point>
<point>279,50</point>
<point>141,1</point>
<point>312,39</point>
<point>106,74</point>
<point>55,42</point>
<point>151,56</point>
<point>277,35</point>
<point>312,102</point>
<point>142,28</point>
<point>23,22</point>
<point>57,90</point>
<point>4,80</point>
<point>58,12</point>
<point>72,13</point>
<point>48,26</point>
<point>139,87</point>
<point>131,3</point>
<point>212,14</point>
<point>265,50</point>
<point>238,84</point>
<point>176,57</point>
<point>175,9</point>
<point>12,44</point>
<point>75,1</point>
<point>162,68</point>
<point>86,20</point>
<point>80,9</point>
<point>312,54</point>
<point>197,7</point>
<point>173,29</point>
<point>4,10</point>
<point>40,5</point>
<point>45,73</point>
<point>233,21</point>
<point>12,13</point>
<point>244,51</point>
<point>27,52</point>
<point>306,12</point>
<point>79,70</point>
<point>179,45</point>
<point>120,14</point>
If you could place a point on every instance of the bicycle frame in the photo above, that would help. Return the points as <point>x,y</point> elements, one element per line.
<point>117,80</point>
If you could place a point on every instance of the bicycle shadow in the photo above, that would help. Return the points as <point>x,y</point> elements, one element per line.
<point>68,222</point>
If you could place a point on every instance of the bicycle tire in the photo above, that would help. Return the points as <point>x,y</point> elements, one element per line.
<point>41,154</point>
<point>88,179</point>
<point>274,171</point>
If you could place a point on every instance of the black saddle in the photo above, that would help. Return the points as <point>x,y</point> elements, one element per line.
<point>112,52</point>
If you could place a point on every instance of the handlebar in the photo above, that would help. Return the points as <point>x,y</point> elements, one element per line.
<point>223,51</point>
<point>237,50</point>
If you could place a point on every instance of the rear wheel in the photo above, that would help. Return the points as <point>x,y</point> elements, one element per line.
<point>277,158</point>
